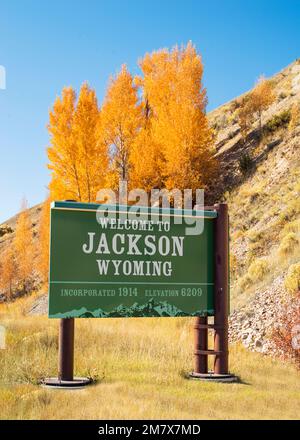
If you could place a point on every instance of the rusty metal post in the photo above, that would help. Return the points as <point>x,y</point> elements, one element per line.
<point>201,344</point>
<point>221,289</point>
<point>220,372</point>
<point>66,349</point>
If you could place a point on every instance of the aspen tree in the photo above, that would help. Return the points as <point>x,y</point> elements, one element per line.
<point>93,160</point>
<point>77,157</point>
<point>254,104</point>
<point>120,122</point>
<point>172,82</point>
<point>23,247</point>
<point>261,98</point>
<point>7,271</point>
<point>146,158</point>
<point>63,154</point>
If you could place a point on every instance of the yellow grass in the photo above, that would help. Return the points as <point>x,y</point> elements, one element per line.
<point>141,366</point>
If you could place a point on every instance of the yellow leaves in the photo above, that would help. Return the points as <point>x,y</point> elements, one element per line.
<point>90,176</point>
<point>172,87</point>
<point>23,247</point>
<point>7,271</point>
<point>78,159</point>
<point>147,161</point>
<point>151,130</point>
<point>261,97</point>
<point>121,117</point>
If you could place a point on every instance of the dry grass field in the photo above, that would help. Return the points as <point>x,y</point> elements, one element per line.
<point>140,366</point>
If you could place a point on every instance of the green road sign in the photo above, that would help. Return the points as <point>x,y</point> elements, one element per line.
<point>109,261</point>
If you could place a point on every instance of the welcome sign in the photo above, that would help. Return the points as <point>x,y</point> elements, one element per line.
<point>114,261</point>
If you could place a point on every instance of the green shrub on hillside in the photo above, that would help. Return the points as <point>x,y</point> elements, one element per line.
<point>292,279</point>
<point>245,163</point>
<point>278,121</point>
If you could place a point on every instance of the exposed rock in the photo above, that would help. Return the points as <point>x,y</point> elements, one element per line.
<point>40,306</point>
<point>264,309</point>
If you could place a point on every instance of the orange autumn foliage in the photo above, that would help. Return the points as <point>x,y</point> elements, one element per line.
<point>254,104</point>
<point>120,120</point>
<point>78,160</point>
<point>23,248</point>
<point>172,86</point>
<point>151,131</point>
<point>146,159</point>
<point>7,272</point>
<point>261,97</point>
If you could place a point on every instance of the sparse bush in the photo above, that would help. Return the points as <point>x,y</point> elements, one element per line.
<point>278,121</point>
<point>220,123</point>
<point>282,95</point>
<point>292,279</point>
<point>288,244</point>
<point>245,163</point>
<point>5,229</point>
<point>291,211</point>
<point>256,272</point>
<point>254,235</point>
<point>233,118</point>
<point>293,226</point>
<point>295,116</point>
<point>258,269</point>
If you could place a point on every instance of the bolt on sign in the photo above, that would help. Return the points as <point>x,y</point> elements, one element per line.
<point>116,261</point>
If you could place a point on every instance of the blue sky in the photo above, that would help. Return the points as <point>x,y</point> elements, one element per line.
<point>47,45</point>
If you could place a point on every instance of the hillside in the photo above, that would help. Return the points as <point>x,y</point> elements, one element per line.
<point>260,179</point>
<point>264,208</point>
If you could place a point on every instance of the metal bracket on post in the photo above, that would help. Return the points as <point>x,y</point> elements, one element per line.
<point>220,372</point>
<point>66,377</point>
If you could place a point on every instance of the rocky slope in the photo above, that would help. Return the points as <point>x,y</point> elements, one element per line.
<point>264,205</point>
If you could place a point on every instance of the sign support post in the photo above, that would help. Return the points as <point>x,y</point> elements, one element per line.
<point>201,340</point>
<point>220,372</point>
<point>65,377</point>
<point>66,349</point>
<point>221,290</point>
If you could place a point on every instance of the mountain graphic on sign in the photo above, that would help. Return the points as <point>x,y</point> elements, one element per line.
<point>151,308</point>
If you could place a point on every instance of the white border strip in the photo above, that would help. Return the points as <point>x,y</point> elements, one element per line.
<point>128,212</point>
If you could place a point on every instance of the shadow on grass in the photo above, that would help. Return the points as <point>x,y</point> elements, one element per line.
<point>187,375</point>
